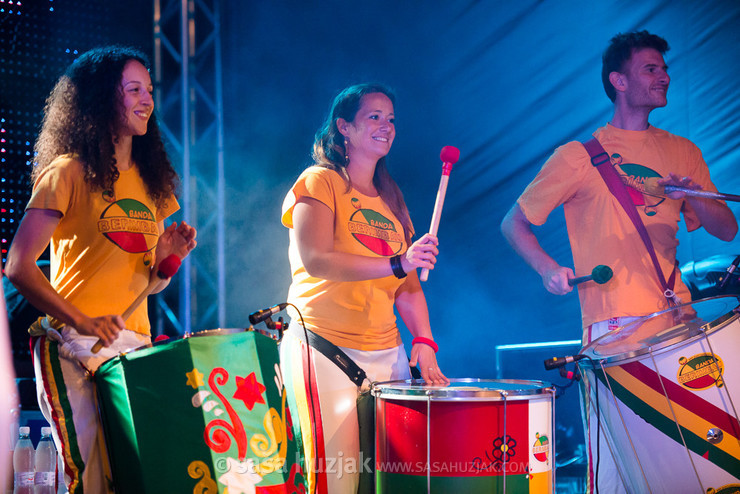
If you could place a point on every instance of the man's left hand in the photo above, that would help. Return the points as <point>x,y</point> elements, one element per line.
<point>683,182</point>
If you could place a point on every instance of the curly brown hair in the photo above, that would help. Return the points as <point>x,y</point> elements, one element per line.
<point>81,115</point>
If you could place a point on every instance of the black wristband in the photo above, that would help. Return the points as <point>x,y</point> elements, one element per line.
<point>397,268</point>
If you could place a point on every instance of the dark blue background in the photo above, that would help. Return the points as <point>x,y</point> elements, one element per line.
<point>506,82</point>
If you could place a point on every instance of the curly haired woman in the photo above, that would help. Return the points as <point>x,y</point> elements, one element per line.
<point>103,186</point>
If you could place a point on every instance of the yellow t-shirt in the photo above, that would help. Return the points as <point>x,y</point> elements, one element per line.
<point>354,314</point>
<point>103,246</point>
<point>599,230</point>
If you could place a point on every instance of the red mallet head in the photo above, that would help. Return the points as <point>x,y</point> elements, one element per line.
<point>168,267</point>
<point>449,154</point>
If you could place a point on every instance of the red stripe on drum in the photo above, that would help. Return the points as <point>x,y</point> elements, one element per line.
<point>466,437</point>
<point>314,411</point>
<point>652,410</point>
<point>685,398</point>
<point>394,483</point>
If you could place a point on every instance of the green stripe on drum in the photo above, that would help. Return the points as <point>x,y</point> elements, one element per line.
<point>667,426</point>
<point>398,482</point>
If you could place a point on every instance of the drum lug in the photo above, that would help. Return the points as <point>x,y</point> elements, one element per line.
<point>715,435</point>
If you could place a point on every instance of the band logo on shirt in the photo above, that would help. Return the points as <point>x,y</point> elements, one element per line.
<point>634,177</point>
<point>375,232</point>
<point>130,225</point>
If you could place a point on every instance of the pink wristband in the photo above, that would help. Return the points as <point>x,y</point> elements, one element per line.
<point>426,341</point>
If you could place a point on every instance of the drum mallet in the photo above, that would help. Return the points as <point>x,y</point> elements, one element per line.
<point>651,187</point>
<point>600,274</point>
<point>449,156</point>
<point>166,270</point>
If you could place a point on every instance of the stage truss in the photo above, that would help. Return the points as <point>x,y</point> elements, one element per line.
<point>188,93</point>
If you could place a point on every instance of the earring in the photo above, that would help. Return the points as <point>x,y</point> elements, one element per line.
<point>346,153</point>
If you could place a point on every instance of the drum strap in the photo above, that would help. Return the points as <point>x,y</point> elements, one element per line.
<point>342,360</point>
<point>600,160</point>
<point>336,355</point>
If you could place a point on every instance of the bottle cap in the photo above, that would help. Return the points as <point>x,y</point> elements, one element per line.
<point>46,431</point>
<point>24,430</point>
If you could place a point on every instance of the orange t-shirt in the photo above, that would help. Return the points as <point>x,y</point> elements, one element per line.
<point>353,314</point>
<point>600,231</point>
<point>102,249</point>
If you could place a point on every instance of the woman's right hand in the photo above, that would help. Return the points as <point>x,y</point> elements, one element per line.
<point>421,254</point>
<point>106,328</point>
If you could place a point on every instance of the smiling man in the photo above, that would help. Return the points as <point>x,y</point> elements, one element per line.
<point>635,78</point>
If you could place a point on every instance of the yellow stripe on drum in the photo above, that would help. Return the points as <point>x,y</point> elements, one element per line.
<point>540,483</point>
<point>658,402</point>
<point>296,382</point>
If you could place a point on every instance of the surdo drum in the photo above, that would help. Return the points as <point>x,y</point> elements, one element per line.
<point>202,413</point>
<point>667,397</point>
<point>473,436</point>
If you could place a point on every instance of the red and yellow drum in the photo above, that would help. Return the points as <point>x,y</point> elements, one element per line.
<point>473,436</point>
<point>200,414</point>
<point>668,397</point>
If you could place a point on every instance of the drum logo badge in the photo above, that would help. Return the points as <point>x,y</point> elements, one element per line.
<point>541,448</point>
<point>702,371</point>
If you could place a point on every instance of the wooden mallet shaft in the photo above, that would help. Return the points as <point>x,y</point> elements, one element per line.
<point>449,157</point>
<point>166,270</point>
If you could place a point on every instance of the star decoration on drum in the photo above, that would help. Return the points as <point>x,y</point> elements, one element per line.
<point>195,378</point>
<point>221,445</point>
<point>249,390</point>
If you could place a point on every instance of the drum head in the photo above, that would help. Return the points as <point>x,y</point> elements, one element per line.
<point>663,329</point>
<point>216,332</point>
<point>468,389</point>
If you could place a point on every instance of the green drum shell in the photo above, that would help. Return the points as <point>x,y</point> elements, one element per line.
<point>180,416</point>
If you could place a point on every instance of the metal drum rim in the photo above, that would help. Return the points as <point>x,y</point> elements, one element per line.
<point>426,392</point>
<point>670,343</point>
<point>214,332</point>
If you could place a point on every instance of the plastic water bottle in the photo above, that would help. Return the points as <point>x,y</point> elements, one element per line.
<point>23,463</point>
<point>46,464</point>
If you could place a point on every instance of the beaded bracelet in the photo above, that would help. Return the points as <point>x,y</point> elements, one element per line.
<point>397,268</point>
<point>426,341</point>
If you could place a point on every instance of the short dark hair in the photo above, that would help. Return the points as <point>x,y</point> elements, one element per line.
<point>620,49</point>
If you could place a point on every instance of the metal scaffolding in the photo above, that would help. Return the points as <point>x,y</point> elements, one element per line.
<point>188,94</point>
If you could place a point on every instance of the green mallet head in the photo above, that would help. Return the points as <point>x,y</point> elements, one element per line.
<point>601,274</point>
